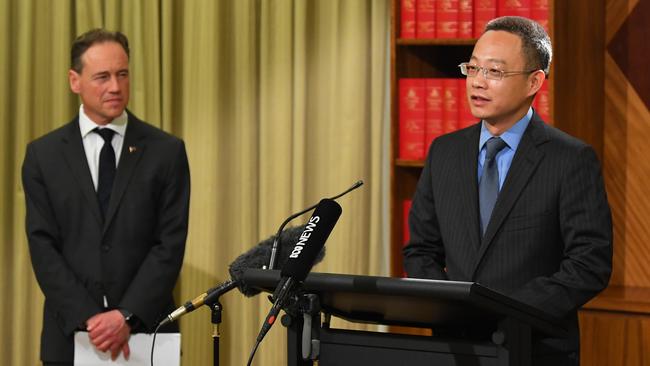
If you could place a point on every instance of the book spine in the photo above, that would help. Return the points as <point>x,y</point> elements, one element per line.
<point>407,18</point>
<point>539,12</point>
<point>465,117</point>
<point>484,11</point>
<point>426,19</point>
<point>450,105</point>
<point>433,125</point>
<point>514,7</point>
<point>465,18</point>
<point>447,19</point>
<point>412,114</point>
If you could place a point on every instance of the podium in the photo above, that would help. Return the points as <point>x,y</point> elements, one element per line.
<point>472,325</point>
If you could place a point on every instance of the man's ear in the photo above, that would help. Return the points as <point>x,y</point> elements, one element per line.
<point>74,78</point>
<point>535,81</point>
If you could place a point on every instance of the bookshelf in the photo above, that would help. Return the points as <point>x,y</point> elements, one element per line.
<point>414,58</point>
<point>575,98</point>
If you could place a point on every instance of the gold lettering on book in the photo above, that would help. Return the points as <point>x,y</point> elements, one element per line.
<point>412,101</point>
<point>426,27</point>
<point>413,126</point>
<point>434,99</point>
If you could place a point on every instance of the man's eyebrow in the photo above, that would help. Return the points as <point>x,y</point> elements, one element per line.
<point>100,73</point>
<point>494,60</point>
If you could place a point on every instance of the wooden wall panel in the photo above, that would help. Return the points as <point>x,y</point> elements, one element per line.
<point>614,339</point>
<point>626,134</point>
<point>578,66</point>
<point>615,326</point>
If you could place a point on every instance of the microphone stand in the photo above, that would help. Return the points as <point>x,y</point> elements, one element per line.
<point>274,248</point>
<point>216,335</point>
<point>212,301</point>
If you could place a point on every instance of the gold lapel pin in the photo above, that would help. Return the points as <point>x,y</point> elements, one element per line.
<point>132,149</point>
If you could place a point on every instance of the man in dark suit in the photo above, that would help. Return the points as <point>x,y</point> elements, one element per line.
<point>511,202</point>
<point>107,210</point>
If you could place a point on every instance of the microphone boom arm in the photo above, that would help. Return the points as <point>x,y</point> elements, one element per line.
<point>274,249</point>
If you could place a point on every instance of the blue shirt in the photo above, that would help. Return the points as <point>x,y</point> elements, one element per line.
<point>512,137</point>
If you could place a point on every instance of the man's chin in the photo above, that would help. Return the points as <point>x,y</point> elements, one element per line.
<point>113,113</point>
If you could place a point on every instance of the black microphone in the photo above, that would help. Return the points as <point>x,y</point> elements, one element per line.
<point>199,301</point>
<point>302,256</point>
<point>255,257</point>
<point>259,255</point>
<point>356,185</point>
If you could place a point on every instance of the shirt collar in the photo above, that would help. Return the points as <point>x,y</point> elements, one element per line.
<point>512,136</point>
<point>86,125</point>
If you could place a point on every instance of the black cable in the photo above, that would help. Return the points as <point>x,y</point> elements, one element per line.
<point>153,342</point>
<point>250,358</point>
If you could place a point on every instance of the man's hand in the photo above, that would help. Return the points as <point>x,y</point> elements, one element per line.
<point>109,331</point>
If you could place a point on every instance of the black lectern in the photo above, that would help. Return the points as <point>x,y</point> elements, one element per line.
<point>472,324</point>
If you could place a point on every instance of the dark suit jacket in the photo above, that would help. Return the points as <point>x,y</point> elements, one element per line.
<point>549,241</point>
<point>133,257</point>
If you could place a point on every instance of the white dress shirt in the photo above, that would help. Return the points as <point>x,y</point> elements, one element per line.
<point>93,142</point>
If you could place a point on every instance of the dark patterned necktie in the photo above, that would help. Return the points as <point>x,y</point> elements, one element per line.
<point>488,188</point>
<point>107,169</point>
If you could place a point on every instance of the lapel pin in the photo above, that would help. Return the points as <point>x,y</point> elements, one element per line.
<point>132,149</point>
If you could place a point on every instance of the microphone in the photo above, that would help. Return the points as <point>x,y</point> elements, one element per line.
<point>199,301</point>
<point>302,256</point>
<point>255,257</point>
<point>356,185</point>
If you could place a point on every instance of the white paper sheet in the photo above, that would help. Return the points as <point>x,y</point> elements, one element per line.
<point>167,351</point>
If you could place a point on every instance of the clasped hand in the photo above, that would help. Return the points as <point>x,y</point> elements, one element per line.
<point>109,332</point>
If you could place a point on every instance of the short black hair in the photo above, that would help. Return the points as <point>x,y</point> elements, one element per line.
<point>536,44</point>
<point>90,38</point>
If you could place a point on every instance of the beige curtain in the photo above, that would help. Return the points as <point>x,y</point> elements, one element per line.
<point>280,103</point>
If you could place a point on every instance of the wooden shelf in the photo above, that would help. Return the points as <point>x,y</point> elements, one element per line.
<point>409,163</point>
<point>622,299</point>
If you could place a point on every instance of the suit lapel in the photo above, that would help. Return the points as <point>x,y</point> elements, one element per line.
<point>132,150</point>
<point>469,192</point>
<point>75,157</point>
<point>526,160</point>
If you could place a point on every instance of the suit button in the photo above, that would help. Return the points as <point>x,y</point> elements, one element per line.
<point>106,247</point>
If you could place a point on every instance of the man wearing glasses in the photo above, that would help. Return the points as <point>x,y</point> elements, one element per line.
<point>511,202</point>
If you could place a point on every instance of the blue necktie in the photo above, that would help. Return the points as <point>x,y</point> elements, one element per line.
<point>107,169</point>
<point>488,187</point>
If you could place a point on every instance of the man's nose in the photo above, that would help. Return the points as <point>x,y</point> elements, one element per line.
<point>114,84</point>
<point>479,81</point>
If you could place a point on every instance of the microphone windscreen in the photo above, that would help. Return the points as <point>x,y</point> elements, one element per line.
<point>305,250</point>
<point>259,256</point>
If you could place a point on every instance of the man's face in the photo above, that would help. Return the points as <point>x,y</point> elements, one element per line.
<point>503,102</point>
<point>103,84</point>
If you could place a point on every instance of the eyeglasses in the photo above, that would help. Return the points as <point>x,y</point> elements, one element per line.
<point>470,70</point>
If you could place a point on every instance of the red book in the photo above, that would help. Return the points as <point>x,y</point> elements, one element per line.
<point>412,113</point>
<point>484,11</point>
<point>426,19</point>
<point>539,12</point>
<point>450,105</point>
<point>514,7</point>
<point>465,18</point>
<point>407,19</point>
<point>465,117</point>
<point>447,18</point>
<point>542,103</point>
<point>433,123</point>
<point>406,208</point>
